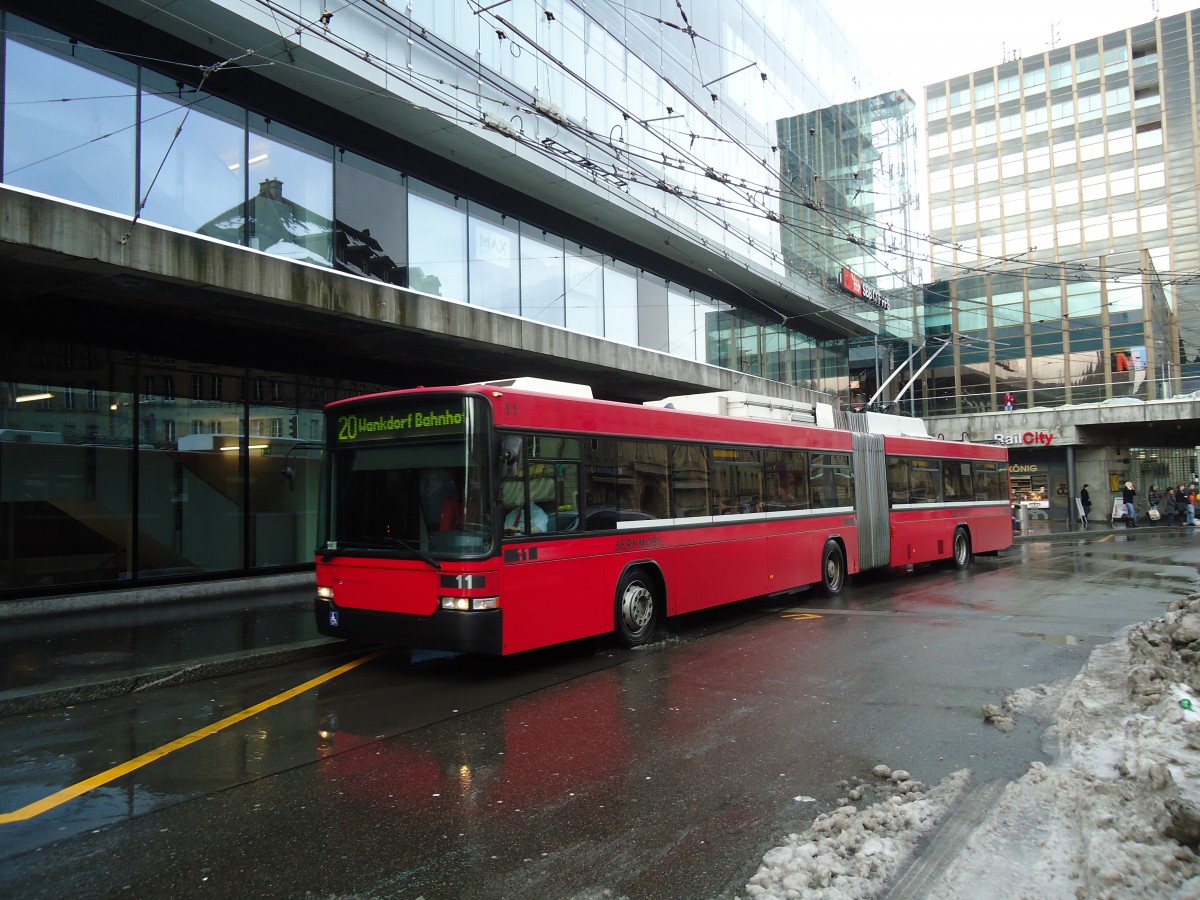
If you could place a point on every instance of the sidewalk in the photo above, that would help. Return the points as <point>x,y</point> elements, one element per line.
<point>70,649</point>
<point>1043,530</point>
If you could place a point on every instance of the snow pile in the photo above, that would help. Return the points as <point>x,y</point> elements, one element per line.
<point>851,852</point>
<point>1115,815</point>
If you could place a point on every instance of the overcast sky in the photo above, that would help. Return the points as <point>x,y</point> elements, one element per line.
<point>922,41</point>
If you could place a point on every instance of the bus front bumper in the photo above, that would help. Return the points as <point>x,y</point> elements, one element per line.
<point>477,631</point>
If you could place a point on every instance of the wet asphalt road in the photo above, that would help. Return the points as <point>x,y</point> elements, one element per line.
<point>659,773</point>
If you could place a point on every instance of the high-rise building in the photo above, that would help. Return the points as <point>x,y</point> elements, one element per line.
<point>217,216</point>
<point>1064,220</point>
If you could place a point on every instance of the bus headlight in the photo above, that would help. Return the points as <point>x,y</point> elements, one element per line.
<point>466,604</point>
<point>325,593</point>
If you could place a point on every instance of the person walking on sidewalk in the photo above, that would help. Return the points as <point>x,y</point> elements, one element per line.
<point>1085,501</point>
<point>1170,507</point>
<point>1190,495</point>
<point>1153,499</point>
<point>1129,498</point>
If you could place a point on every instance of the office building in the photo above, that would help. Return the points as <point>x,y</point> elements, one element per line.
<point>1063,217</point>
<point>217,216</point>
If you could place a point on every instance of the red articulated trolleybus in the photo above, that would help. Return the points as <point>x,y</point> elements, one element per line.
<point>499,517</point>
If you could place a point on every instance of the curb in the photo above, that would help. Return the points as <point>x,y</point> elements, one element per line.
<point>37,699</point>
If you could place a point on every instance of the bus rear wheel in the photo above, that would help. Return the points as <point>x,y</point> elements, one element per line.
<point>637,608</point>
<point>833,569</point>
<point>962,549</point>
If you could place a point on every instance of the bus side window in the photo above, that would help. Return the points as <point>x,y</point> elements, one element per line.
<point>562,509</point>
<point>956,480</point>
<point>926,480</point>
<point>897,475</point>
<point>554,481</point>
<point>689,480</point>
<point>642,487</point>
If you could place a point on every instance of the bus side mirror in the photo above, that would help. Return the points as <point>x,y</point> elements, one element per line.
<point>510,455</point>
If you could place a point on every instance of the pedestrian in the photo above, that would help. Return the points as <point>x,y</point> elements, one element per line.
<point>1010,401</point>
<point>1191,504</point>
<point>1170,507</point>
<point>1153,498</point>
<point>1085,501</point>
<point>1129,498</point>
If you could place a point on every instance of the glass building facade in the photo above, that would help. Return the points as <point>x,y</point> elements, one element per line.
<point>1063,220</point>
<point>133,452</point>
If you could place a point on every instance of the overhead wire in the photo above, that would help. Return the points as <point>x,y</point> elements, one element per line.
<point>749,209</point>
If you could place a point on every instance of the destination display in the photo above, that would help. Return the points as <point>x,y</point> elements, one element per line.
<point>398,424</point>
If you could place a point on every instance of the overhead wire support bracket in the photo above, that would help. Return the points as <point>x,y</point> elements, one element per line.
<point>925,365</point>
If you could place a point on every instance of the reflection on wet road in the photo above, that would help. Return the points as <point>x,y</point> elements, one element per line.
<point>664,772</point>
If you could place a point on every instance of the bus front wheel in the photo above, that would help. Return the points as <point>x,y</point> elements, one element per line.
<point>833,569</point>
<point>637,608</point>
<point>962,549</point>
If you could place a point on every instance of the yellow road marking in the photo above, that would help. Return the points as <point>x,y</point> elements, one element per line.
<point>70,793</point>
<point>801,616</point>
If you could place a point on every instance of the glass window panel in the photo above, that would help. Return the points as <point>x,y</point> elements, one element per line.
<point>1068,232</point>
<point>620,305</point>
<point>372,218</point>
<point>602,480</point>
<point>291,197</point>
<point>897,476</point>
<point>191,492</point>
<point>652,312</point>
<point>956,481</point>
<point>1096,228</point>
<point>1149,136</point>
<point>1060,73</point>
<point>925,481</point>
<point>283,468</point>
<point>830,480</point>
<point>437,246</point>
<point>197,183</point>
<point>705,311</point>
<point>787,480</point>
<point>689,481</point>
<point>1120,142</point>
<point>1125,297</point>
<point>737,481</point>
<point>681,324</point>
<point>69,131</point>
<point>585,292</point>
<point>1150,177</point>
<point>1083,298</point>
<point>495,265</point>
<point>542,294</point>
<point>991,481</point>
<point>643,486</point>
<point>554,486</point>
<point>65,466</point>
<point>1066,193</point>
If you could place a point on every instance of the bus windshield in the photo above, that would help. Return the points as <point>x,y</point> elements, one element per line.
<point>408,476</point>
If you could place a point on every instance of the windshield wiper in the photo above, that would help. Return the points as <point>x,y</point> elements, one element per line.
<point>379,543</point>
